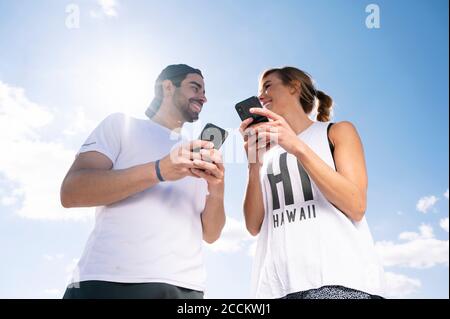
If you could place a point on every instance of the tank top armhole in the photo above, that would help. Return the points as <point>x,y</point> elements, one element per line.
<point>331,143</point>
<point>332,155</point>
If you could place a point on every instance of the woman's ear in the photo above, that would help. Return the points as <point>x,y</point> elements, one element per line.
<point>295,88</point>
<point>167,87</point>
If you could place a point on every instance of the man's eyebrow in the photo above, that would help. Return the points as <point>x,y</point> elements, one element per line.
<point>196,84</point>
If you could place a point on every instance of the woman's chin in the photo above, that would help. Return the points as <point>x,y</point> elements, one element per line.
<point>272,108</point>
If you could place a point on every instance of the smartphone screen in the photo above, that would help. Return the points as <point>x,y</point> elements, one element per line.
<point>243,109</point>
<point>213,133</point>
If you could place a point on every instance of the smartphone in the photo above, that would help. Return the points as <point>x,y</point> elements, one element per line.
<point>213,133</point>
<point>243,109</point>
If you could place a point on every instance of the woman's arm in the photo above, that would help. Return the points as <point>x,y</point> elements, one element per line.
<point>346,187</point>
<point>253,201</point>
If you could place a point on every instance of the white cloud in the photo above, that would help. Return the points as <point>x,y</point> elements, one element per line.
<point>53,292</point>
<point>18,116</point>
<point>108,8</point>
<point>35,167</point>
<point>49,257</point>
<point>8,200</point>
<point>444,224</point>
<point>408,236</point>
<point>70,270</point>
<point>421,250</point>
<point>425,203</point>
<point>80,124</point>
<point>426,231</point>
<point>71,265</point>
<point>400,286</point>
<point>55,274</point>
<point>252,249</point>
<point>9,196</point>
<point>233,239</point>
<point>446,194</point>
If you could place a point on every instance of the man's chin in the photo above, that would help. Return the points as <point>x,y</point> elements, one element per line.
<point>192,117</point>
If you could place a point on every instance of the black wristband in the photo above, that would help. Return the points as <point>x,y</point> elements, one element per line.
<point>158,172</point>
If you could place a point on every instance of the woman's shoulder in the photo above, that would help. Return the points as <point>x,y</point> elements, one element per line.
<point>342,130</point>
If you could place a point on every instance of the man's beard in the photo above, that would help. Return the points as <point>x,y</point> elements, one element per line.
<point>183,105</point>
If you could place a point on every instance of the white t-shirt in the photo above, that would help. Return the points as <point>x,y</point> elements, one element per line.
<point>154,235</point>
<point>305,242</point>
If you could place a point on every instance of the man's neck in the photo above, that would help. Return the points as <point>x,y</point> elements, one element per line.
<point>169,117</point>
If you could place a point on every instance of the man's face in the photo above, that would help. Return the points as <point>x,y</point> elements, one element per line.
<point>190,97</point>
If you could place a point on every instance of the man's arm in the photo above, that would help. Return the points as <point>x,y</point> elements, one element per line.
<point>213,218</point>
<point>91,181</point>
<point>212,170</point>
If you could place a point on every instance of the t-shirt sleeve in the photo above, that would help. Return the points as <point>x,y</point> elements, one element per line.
<point>106,137</point>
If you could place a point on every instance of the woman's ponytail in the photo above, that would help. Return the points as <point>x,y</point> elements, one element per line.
<point>325,105</point>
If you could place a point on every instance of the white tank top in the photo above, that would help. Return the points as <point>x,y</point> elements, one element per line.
<point>305,242</point>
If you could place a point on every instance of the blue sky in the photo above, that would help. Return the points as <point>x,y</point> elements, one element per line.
<point>58,82</point>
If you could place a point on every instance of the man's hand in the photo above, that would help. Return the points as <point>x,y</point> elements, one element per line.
<point>179,163</point>
<point>210,167</point>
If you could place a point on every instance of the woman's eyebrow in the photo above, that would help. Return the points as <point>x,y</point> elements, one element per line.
<point>264,85</point>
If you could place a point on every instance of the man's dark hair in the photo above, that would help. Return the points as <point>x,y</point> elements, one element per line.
<point>176,73</point>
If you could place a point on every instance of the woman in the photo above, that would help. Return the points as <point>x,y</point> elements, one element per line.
<point>306,196</point>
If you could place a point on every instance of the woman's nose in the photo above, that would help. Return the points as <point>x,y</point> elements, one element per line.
<point>261,97</point>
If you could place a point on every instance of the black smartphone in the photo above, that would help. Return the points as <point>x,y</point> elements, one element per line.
<point>243,109</point>
<point>213,133</point>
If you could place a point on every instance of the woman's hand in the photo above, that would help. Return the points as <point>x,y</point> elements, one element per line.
<point>254,148</point>
<point>276,131</point>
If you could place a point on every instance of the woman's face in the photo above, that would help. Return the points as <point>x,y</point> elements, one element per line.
<point>274,95</point>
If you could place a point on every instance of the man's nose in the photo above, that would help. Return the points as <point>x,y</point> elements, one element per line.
<point>203,99</point>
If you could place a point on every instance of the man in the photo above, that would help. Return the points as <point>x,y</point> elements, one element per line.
<point>156,200</point>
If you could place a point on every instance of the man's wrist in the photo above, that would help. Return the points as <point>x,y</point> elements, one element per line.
<point>159,175</point>
<point>217,192</point>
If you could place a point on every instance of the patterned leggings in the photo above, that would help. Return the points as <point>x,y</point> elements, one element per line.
<point>331,292</point>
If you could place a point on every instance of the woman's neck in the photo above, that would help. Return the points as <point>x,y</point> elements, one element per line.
<point>297,119</point>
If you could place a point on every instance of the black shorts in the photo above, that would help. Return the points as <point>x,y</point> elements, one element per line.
<point>94,289</point>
